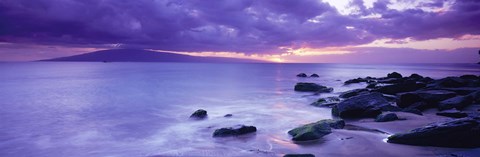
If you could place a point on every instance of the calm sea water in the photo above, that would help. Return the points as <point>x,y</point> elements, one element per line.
<point>142,109</point>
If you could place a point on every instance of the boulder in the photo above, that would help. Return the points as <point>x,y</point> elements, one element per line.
<point>312,87</point>
<point>430,97</point>
<point>299,155</point>
<point>394,75</point>
<point>458,133</point>
<point>361,106</point>
<point>452,113</point>
<point>475,96</point>
<point>314,75</point>
<point>372,85</point>
<point>357,80</point>
<point>458,102</point>
<point>386,117</point>
<point>234,131</point>
<point>406,86</point>
<point>314,131</point>
<point>326,102</point>
<point>353,92</point>
<point>413,110</point>
<point>228,115</point>
<point>452,82</point>
<point>391,80</point>
<point>199,114</point>
<point>415,76</point>
<point>302,75</point>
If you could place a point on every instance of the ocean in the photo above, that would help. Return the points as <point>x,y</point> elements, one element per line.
<point>50,109</point>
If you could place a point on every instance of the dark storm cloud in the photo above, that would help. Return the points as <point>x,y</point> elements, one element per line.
<point>249,26</point>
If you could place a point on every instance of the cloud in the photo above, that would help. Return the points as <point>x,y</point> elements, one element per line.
<point>245,26</point>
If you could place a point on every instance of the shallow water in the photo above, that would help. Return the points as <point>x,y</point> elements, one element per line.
<point>142,109</point>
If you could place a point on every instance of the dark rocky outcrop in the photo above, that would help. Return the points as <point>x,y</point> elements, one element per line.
<point>426,98</point>
<point>453,113</point>
<point>357,80</point>
<point>386,117</point>
<point>394,75</point>
<point>234,131</point>
<point>199,114</point>
<point>354,92</point>
<point>458,102</point>
<point>314,75</point>
<point>228,115</point>
<point>415,76</point>
<point>302,75</point>
<point>312,87</point>
<point>299,155</point>
<point>361,106</point>
<point>406,86</point>
<point>314,131</point>
<point>326,102</point>
<point>461,133</point>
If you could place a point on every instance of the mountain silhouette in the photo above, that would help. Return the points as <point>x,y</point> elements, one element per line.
<point>136,55</point>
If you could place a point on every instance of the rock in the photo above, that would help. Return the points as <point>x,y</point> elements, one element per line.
<point>394,75</point>
<point>314,75</point>
<point>430,97</point>
<point>453,113</point>
<point>406,86</point>
<point>357,80</point>
<point>413,110</point>
<point>228,115</point>
<point>426,80</point>
<point>314,131</point>
<point>386,117</point>
<point>458,102</point>
<point>302,75</point>
<point>391,80</point>
<point>299,155</point>
<point>326,102</point>
<point>353,92</point>
<point>463,90</point>
<point>361,106</point>
<point>199,114</point>
<point>234,131</point>
<point>372,85</point>
<point>312,87</point>
<point>475,96</point>
<point>453,82</point>
<point>415,76</point>
<point>458,133</point>
<point>469,77</point>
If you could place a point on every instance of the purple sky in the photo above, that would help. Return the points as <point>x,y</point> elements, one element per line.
<point>278,30</point>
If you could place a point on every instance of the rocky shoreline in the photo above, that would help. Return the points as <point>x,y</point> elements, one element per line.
<point>390,99</point>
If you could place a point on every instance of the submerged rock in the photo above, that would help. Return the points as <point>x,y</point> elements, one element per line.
<point>314,131</point>
<point>302,75</point>
<point>361,106</point>
<point>394,75</point>
<point>314,75</point>
<point>312,87</point>
<point>386,117</point>
<point>299,155</point>
<point>326,102</point>
<point>458,102</point>
<point>234,131</point>
<point>459,133</point>
<point>452,113</point>
<point>199,114</point>
<point>353,92</point>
